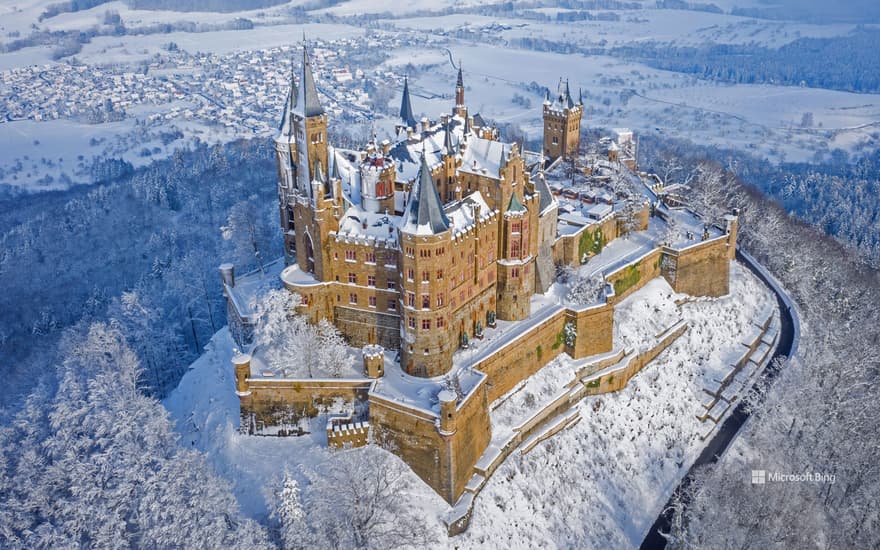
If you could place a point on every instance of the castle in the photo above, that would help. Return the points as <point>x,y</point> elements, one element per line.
<point>414,248</point>
<point>421,243</point>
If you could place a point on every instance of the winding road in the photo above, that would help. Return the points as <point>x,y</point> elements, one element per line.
<point>724,436</point>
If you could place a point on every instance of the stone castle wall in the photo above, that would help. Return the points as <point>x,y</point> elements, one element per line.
<point>444,461</point>
<point>700,270</point>
<point>262,399</point>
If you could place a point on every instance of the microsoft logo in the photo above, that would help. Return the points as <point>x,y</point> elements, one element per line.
<point>759,477</point>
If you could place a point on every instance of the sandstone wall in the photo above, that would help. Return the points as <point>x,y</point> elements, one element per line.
<point>701,270</point>
<point>444,461</point>
<point>266,398</point>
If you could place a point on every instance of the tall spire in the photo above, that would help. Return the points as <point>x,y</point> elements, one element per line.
<point>425,211</point>
<point>447,140</point>
<point>286,126</point>
<point>406,111</point>
<point>307,101</point>
<point>459,90</point>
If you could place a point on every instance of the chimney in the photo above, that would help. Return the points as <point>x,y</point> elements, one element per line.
<point>425,124</point>
<point>386,147</point>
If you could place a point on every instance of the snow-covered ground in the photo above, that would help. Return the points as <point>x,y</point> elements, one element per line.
<point>597,484</point>
<point>205,410</point>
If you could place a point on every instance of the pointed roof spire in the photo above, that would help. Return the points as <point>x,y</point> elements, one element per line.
<point>546,198</point>
<point>334,169</point>
<point>568,101</point>
<point>318,172</point>
<point>307,101</point>
<point>447,140</point>
<point>460,81</point>
<point>580,96</point>
<point>406,111</point>
<point>515,205</point>
<point>425,209</point>
<point>286,125</point>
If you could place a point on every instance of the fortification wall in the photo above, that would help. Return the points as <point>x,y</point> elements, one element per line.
<point>700,270</point>
<point>265,399</point>
<point>634,276</point>
<point>521,358</point>
<point>443,460</point>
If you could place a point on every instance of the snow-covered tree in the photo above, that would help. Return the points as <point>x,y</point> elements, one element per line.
<point>359,500</point>
<point>293,345</point>
<point>97,464</point>
<point>288,512</point>
<point>249,234</point>
<point>332,351</point>
<point>585,290</point>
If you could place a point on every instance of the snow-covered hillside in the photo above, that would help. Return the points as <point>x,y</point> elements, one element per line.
<point>597,484</point>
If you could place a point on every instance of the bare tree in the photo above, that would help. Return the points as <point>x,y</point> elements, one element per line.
<point>359,500</point>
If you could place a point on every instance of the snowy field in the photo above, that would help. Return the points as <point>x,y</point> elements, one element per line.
<point>597,484</point>
<point>763,119</point>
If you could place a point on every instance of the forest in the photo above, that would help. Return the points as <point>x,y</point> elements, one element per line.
<point>847,63</point>
<point>818,414</point>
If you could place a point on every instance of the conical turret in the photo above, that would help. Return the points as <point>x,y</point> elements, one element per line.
<point>406,110</point>
<point>424,213</point>
<point>307,102</point>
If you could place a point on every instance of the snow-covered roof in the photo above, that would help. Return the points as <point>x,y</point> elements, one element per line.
<point>462,213</point>
<point>484,157</point>
<point>372,227</point>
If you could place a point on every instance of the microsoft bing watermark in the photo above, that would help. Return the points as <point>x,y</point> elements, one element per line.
<point>762,477</point>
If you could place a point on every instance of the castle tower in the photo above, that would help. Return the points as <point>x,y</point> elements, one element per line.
<point>460,109</point>
<point>425,244</point>
<point>406,110</point>
<point>516,276</point>
<point>562,123</point>
<point>377,180</point>
<point>285,158</point>
<point>314,198</point>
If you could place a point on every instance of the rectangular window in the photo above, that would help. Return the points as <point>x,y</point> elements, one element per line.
<point>514,273</point>
<point>370,257</point>
<point>440,322</point>
<point>410,274</point>
<point>426,276</point>
<point>439,273</point>
<point>412,322</point>
<point>372,301</point>
<point>350,256</point>
<point>440,300</point>
<point>392,285</point>
<point>371,280</point>
<point>426,301</point>
<point>353,278</point>
<point>515,227</point>
<point>410,252</point>
<point>352,298</point>
<point>391,262</point>
<point>304,299</point>
<point>426,324</point>
<point>514,249</point>
<point>411,299</point>
<point>392,304</point>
